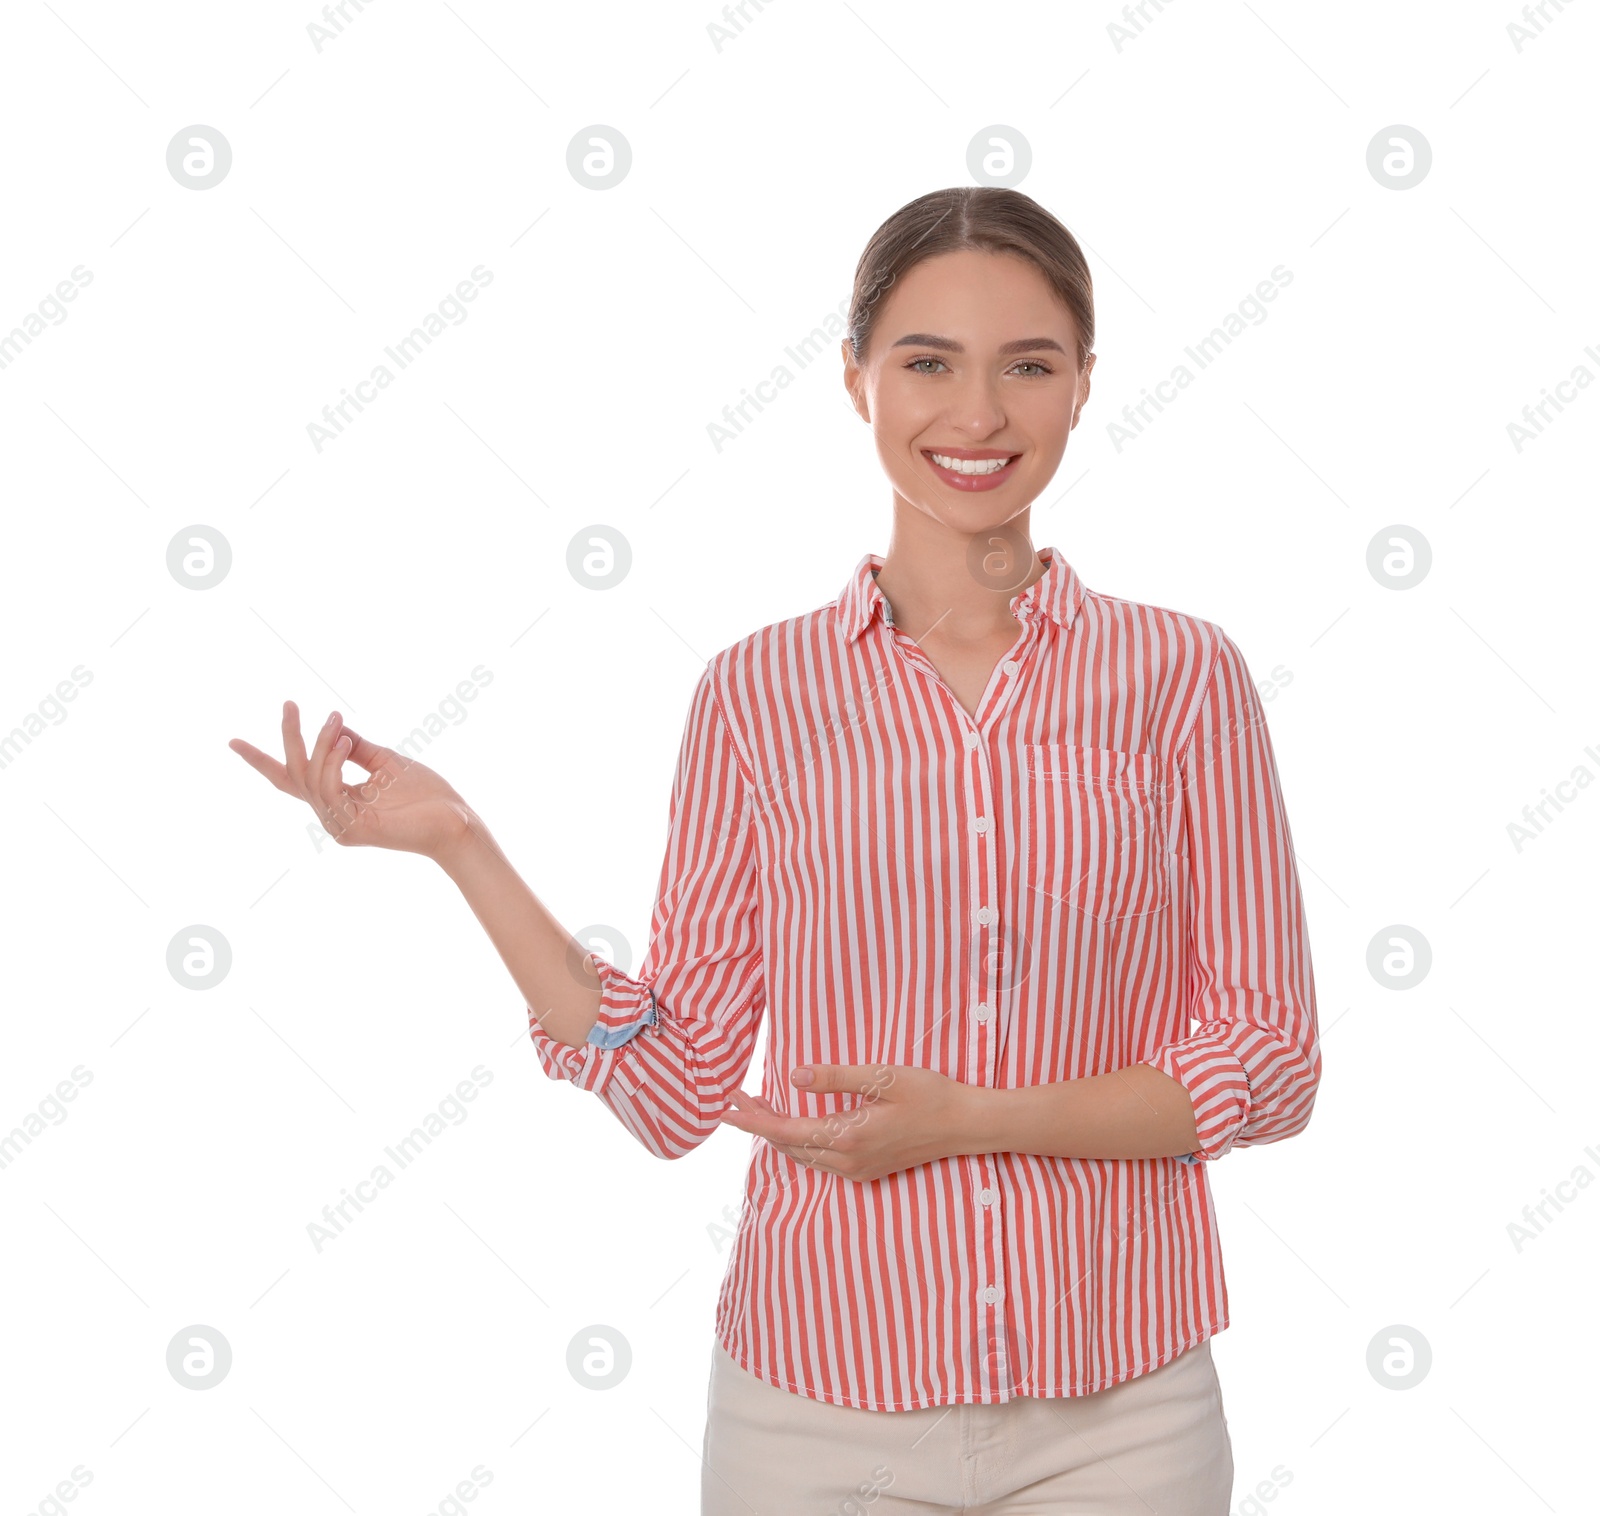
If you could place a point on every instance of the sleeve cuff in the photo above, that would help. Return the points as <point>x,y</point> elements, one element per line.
<point>1218,1086</point>
<point>627,1007</point>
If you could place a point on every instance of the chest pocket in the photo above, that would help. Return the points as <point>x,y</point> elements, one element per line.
<point>1094,830</point>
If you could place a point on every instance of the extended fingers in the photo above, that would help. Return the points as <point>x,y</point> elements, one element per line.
<point>264,763</point>
<point>797,1136</point>
<point>294,747</point>
<point>841,1078</point>
<point>758,1123</point>
<point>780,1131</point>
<point>776,1129</point>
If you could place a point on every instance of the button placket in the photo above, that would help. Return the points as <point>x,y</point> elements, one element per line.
<point>1010,666</point>
<point>993,1314</point>
<point>982,1048</point>
<point>985,878</point>
<point>982,1043</point>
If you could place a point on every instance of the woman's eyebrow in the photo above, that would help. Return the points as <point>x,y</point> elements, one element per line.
<point>950,345</point>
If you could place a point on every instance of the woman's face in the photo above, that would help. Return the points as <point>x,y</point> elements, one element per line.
<point>973,357</point>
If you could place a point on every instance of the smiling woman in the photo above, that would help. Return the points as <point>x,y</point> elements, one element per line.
<point>981,393</point>
<point>1003,864</point>
<point>982,921</point>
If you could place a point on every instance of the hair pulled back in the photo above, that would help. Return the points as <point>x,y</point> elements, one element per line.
<point>985,217</point>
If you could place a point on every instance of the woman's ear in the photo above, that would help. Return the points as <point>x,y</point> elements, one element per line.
<point>855,383</point>
<point>1083,389</point>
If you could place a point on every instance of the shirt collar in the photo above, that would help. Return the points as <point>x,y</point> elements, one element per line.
<point>1057,592</point>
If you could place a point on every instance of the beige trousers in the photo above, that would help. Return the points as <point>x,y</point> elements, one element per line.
<point>1153,1445</point>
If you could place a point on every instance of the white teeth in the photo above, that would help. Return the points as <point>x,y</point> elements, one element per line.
<point>971,465</point>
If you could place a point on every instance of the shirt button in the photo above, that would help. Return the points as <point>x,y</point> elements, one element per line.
<point>991,1294</point>
<point>972,739</point>
<point>984,1013</point>
<point>986,915</point>
<point>982,823</point>
<point>1010,666</point>
<point>985,1197</point>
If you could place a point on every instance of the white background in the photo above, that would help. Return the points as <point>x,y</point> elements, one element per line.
<point>431,537</point>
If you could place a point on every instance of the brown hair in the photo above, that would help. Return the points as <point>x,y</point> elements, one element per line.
<point>986,217</point>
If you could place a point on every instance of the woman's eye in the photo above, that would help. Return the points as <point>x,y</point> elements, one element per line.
<point>1040,368</point>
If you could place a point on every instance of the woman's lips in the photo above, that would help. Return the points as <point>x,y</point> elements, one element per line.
<point>959,481</point>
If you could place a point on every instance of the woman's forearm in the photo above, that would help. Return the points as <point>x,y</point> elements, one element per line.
<point>550,967</point>
<point>1136,1112</point>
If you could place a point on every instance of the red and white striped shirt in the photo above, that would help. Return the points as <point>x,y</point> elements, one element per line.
<point>1053,888</point>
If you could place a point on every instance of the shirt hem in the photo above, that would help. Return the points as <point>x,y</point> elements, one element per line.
<point>1055,1392</point>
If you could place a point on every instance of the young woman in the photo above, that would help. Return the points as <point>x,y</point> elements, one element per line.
<point>1003,863</point>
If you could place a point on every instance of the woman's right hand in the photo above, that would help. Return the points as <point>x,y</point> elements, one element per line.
<point>405,805</point>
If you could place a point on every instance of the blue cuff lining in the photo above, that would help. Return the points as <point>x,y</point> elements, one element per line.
<point>613,1037</point>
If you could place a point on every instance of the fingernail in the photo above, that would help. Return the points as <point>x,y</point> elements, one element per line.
<point>802,1076</point>
<point>332,718</point>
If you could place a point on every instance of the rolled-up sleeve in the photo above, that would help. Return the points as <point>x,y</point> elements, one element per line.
<point>1252,1064</point>
<point>671,1043</point>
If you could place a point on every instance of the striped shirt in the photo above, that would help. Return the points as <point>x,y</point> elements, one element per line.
<point>1093,871</point>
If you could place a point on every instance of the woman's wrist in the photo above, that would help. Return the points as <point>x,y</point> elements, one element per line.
<point>1133,1112</point>
<point>470,842</point>
<point>979,1109</point>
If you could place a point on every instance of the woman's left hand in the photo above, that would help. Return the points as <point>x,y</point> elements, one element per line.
<point>906,1116</point>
